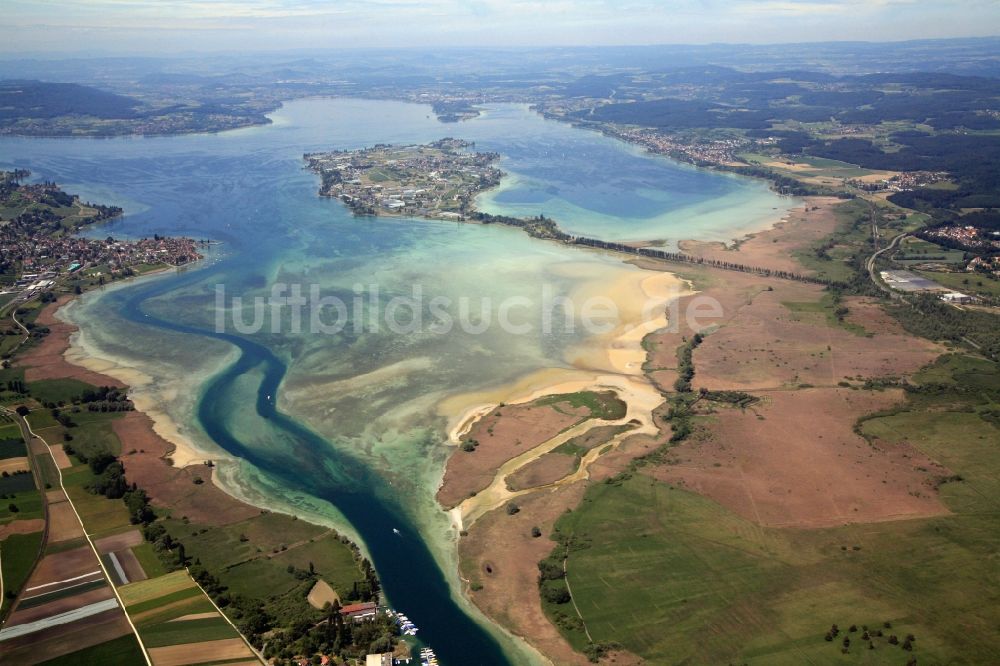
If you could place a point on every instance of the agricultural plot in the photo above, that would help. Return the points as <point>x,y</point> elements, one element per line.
<point>178,624</point>
<point>17,557</point>
<point>100,515</point>
<point>65,606</point>
<point>12,447</point>
<point>123,651</point>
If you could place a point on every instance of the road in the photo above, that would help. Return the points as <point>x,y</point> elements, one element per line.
<point>29,437</point>
<point>870,264</point>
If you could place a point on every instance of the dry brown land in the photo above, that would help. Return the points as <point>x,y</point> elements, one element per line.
<point>199,653</point>
<point>194,616</point>
<point>60,566</point>
<point>21,527</point>
<point>59,456</point>
<point>794,461</point>
<point>500,554</point>
<point>171,487</point>
<point>547,469</point>
<point>767,344</point>
<point>46,361</point>
<point>11,465</point>
<point>505,433</point>
<point>116,542</point>
<point>130,565</point>
<point>63,523</point>
<point>774,248</point>
<point>322,594</point>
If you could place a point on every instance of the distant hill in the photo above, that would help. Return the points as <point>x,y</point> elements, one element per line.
<point>40,99</point>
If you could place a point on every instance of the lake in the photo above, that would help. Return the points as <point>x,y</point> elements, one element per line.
<point>340,419</point>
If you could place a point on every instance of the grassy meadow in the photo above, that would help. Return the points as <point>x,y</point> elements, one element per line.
<point>675,578</point>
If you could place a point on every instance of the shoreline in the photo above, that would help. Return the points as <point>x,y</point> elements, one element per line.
<point>613,361</point>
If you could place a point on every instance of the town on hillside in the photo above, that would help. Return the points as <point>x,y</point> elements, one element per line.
<point>39,247</point>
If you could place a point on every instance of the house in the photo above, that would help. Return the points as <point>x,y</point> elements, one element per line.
<point>384,659</point>
<point>359,611</point>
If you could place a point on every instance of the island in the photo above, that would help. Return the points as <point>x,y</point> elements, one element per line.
<point>437,180</point>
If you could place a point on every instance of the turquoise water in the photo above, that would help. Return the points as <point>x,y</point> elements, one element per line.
<point>603,188</point>
<point>344,427</point>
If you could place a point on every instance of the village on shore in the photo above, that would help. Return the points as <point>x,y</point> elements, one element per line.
<point>39,247</point>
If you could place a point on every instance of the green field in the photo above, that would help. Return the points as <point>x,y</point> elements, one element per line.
<point>154,588</point>
<point>101,516</point>
<point>12,448</point>
<point>9,430</point>
<point>149,560</point>
<point>168,593</point>
<point>17,559</point>
<point>92,433</point>
<point>170,607</point>
<point>916,250</point>
<point>831,258</point>
<point>226,545</point>
<point>123,651</point>
<point>676,578</point>
<point>602,405</point>
<point>187,631</point>
<point>28,501</point>
<point>58,390</point>
<point>39,419</point>
<point>269,576</point>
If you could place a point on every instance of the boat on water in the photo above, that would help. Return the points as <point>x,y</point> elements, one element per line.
<point>406,627</point>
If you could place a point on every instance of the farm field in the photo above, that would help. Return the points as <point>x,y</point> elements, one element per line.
<point>172,613</point>
<point>123,651</point>
<point>17,557</point>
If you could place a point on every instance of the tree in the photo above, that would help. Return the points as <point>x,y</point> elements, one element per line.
<point>535,532</point>
<point>556,595</point>
<point>512,509</point>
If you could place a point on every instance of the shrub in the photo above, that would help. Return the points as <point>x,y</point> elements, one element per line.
<point>556,595</point>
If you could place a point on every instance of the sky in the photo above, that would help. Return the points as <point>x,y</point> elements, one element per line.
<point>180,26</point>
